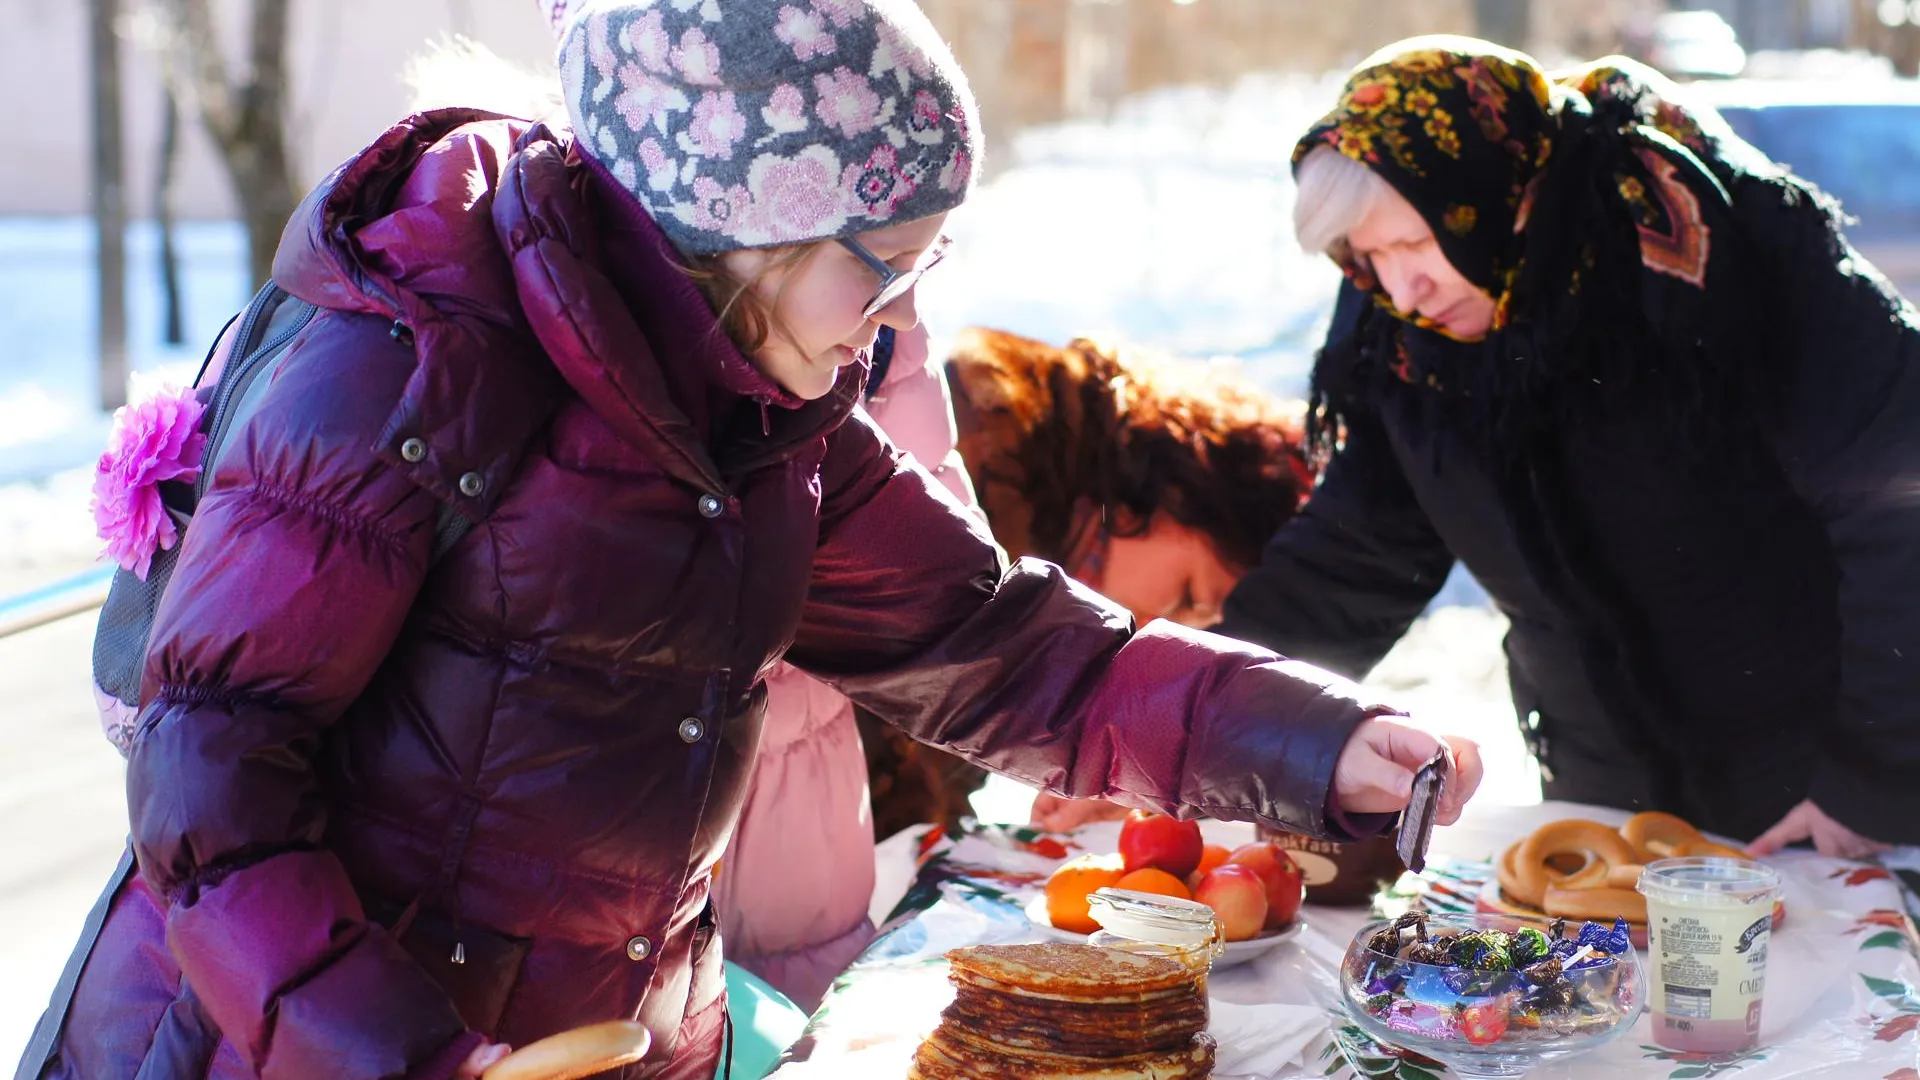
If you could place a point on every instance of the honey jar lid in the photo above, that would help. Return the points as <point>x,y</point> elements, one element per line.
<point>1152,918</point>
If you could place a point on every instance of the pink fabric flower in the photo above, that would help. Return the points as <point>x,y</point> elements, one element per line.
<point>879,182</point>
<point>847,102</point>
<point>697,58</point>
<point>958,170</point>
<point>805,32</point>
<point>158,439</point>
<point>651,42</point>
<point>600,47</point>
<point>645,100</point>
<point>662,173</point>
<point>786,110</point>
<point>926,112</point>
<point>715,207</point>
<point>796,196</point>
<point>841,13</point>
<point>717,125</point>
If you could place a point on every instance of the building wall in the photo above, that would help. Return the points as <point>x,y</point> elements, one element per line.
<point>347,59</point>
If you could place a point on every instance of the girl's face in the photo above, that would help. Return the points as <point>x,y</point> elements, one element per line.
<point>1171,571</point>
<point>1396,244</point>
<point>820,302</point>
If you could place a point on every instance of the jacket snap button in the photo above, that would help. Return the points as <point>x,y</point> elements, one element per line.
<point>401,333</point>
<point>691,730</point>
<point>472,484</point>
<point>639,948</point>
<point>711,506</point>
<point>414,450</point>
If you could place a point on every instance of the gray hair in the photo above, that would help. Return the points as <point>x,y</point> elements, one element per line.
<point>1335,194</point>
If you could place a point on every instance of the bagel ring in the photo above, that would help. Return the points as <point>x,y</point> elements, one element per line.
<point>1657,835</point>
<point>1601,905</point>
<point>1704,848</point>
<point>1533,873</point>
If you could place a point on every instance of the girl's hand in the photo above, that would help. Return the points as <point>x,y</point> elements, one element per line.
<point>1374,774</point>
<point>484,1057</point>
<point>1055,814</point>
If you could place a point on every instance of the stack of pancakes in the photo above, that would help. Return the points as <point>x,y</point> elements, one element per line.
<point>1068,1012</point>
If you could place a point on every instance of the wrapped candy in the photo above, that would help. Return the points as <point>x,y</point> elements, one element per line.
<point>1485,1023</point>
<point>1483,950</point>
<point>1528,946</point>
<point>1615,940</point>
<point>1544,973</point>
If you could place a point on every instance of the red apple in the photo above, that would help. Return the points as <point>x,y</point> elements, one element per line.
<point>1156,840</point>
<point>1238,896</point>
<point>1281,875</point>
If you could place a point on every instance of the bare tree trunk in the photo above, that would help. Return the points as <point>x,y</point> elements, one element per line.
<point>173,331</point>
<point>109,202</point>
<point>247,120</point>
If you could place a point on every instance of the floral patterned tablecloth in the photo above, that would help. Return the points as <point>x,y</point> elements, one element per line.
<point>1843,980</point>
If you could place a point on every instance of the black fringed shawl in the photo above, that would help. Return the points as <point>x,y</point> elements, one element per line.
<point>1578,205</point>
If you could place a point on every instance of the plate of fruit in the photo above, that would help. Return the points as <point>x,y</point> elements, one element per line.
<point>1255,889</point>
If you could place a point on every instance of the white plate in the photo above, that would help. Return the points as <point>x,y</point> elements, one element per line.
<point>1232,953</point>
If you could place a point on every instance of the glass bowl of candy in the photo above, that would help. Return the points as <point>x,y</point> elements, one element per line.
<point>1490,994</point>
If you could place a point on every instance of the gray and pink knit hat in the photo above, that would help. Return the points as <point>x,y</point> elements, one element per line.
<point>752,123</point>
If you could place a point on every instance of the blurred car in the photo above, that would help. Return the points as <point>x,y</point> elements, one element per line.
<point>1695,45</point>
<point>1858,139</point>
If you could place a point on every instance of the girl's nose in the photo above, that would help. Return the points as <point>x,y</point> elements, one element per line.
<point>903,314</point>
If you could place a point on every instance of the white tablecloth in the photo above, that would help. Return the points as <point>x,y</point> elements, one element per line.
<point>1841,999</point>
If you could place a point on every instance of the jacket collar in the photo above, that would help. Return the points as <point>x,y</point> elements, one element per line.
<point>469,229</point>
<point>625,349</point>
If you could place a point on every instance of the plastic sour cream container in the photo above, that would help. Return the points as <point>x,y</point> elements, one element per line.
<point>1709,922</point>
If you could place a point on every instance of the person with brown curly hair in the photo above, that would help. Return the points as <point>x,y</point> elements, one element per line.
<point>1155,480</point>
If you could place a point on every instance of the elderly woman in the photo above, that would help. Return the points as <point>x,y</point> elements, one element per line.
<point>1630,373</point>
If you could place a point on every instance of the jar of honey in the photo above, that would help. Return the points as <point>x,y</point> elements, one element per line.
<point>1183,930</point>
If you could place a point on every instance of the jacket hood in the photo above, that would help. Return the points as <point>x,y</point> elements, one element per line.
<point>471,229</point>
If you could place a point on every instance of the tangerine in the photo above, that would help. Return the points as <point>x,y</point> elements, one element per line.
<point>1067,890</point>
<point>1149,880</point>
<point>1211,855</point>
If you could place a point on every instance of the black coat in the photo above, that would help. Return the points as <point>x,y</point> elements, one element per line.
<point>1715,621</point>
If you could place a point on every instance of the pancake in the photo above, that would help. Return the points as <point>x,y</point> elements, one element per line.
<point>1068,972</point>
<point>944,1057</point>
<point>1063,1027</point>
<point>1068,1012</point>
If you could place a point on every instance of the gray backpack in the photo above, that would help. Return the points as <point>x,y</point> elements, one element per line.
<point>232,382</point>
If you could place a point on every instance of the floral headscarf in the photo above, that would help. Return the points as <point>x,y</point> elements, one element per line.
<point>1459,128</point>
<point>1593,209</point>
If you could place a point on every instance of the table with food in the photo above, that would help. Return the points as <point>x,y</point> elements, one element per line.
<point>1553,941</point>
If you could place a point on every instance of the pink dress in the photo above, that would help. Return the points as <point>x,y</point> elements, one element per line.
<point>796,882</point>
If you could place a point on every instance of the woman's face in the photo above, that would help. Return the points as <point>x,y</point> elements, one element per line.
<point>1171,571</point>
<point>820,301</point>
<point>1394,242</point>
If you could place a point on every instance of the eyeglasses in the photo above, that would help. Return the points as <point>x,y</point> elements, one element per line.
<point>895,284</point>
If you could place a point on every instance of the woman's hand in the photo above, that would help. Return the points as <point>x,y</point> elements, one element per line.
<point>1374,774</point>
<point>484,1057</point>
<point>1808,822</point>
<point>1056,814</point>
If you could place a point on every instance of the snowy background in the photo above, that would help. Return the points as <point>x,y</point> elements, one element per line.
<point>1167,225</point>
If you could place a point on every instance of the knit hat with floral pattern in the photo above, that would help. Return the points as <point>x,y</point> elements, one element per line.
<point>754,123</point>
